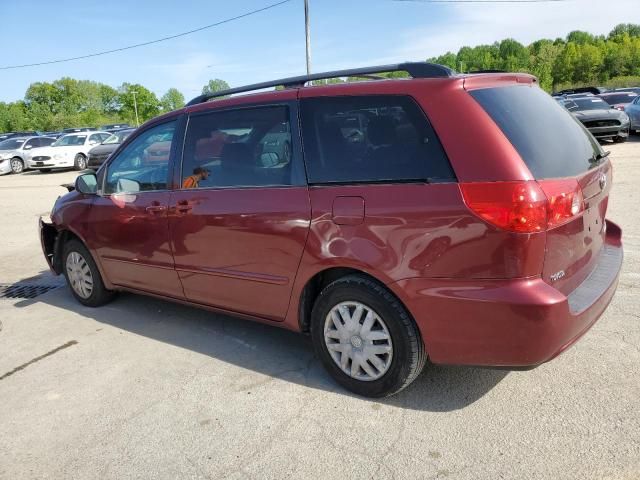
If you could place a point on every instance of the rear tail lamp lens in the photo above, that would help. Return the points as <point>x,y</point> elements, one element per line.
<point>564,200</point>
<point>524,207</point>
<point>514,206</point>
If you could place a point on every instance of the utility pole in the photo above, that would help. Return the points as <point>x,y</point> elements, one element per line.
<point>135,107</point>
<point>308,35</point>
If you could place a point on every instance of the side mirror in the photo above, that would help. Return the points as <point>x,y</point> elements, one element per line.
<point>28,147</point>
<point>87,183</point>
<point>126,185</point>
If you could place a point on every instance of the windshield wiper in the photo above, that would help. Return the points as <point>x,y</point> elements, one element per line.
<point>599,156</point>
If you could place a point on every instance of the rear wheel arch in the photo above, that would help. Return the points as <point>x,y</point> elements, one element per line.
<point>322,279</point>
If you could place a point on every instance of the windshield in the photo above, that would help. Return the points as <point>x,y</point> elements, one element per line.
<point>117,137</point>
<point>619,98</point>
<point>68,140</point>
<point>590,104</point>
<point>12,144</point>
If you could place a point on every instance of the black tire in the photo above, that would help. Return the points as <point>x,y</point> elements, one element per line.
<point>620,139</point>
<point>80,162</point>
<point>45,170</point>
<point>409,355</point>
<point>99,294</point>
<point>17,165</point>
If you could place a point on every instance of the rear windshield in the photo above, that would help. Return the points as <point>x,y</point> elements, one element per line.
<point>549,139</point>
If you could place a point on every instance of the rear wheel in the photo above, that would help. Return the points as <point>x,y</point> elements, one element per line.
<point>17,165</point>
<point>365,338</point>
<point>83,276</point>
<point>80,162</point>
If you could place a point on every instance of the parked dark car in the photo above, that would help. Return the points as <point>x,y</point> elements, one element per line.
<point>8,135</point>
<point>635,90</point>
<point>111,127</point>
<point>385,241</point>
<point>633,110</point>
<point>618,100</point>
<point>77,130</point>
<point>98,154</point>
<point>582,90</point>
<point>602,120</point>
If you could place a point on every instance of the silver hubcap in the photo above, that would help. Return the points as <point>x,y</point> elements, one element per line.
<point>16,166</point>
<point>79,275</point>
<point>358,341</point>
<point>81,162</point>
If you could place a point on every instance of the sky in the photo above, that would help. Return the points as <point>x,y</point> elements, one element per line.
<point>267,45</point>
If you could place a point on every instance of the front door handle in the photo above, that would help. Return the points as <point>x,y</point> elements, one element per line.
<point>156,209</point>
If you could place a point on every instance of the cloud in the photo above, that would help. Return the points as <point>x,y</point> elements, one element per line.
<point>482,23</point>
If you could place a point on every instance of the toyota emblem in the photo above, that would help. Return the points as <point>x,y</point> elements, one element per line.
<point>603,181</point>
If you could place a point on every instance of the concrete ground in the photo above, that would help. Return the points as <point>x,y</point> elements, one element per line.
<point>143,388</point>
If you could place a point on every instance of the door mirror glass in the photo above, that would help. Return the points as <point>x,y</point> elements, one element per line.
<point>87,183</point>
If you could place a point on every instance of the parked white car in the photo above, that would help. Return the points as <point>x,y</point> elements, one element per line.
<point>15,152</point>
<point>68,151</point>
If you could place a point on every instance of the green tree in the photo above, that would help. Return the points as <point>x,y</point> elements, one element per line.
<point>215,85</point>
<point>172,100</point>
<point>134,95</point>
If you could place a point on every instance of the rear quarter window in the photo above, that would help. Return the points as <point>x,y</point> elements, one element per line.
<point>550,140</point>
<point>366,139</point>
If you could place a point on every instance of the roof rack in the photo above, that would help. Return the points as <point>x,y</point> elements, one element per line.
<point>415,69</point>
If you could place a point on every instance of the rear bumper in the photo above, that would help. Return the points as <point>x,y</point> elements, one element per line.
<point>509,323</point>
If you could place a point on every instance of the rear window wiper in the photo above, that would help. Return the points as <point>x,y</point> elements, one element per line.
<point>599,156</point>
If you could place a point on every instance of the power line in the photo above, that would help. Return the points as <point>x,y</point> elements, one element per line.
<point>163,39</point>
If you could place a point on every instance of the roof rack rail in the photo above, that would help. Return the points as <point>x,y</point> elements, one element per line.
<point>415,69</point>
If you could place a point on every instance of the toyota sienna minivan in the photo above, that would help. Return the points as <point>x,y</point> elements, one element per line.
<point>449,217</point>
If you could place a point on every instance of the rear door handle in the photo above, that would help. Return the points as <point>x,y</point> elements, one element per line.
<point>156,209</point>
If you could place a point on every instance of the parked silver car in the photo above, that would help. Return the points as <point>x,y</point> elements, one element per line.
<point>15,153</point>
<point>633,110</point>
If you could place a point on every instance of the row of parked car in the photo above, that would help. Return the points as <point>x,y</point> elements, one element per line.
<point>607,114</point>
<point>77,148</point>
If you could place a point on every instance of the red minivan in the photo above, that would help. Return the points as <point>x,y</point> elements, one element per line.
<point>459,218</point>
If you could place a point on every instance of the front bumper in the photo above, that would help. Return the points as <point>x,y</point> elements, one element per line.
<point>48,237</point>
<point>51,163</point>
<point>509,323</point>
<point>610,132</point>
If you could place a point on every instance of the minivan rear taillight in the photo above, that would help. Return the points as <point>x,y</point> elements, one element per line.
<point>524,207</point>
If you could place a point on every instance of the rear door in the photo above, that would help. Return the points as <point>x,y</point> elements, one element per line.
<point>239,230</point>
<point>562,156</point>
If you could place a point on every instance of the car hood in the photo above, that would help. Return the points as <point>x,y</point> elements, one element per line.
<point>104,149</point>
<point>604,114</point>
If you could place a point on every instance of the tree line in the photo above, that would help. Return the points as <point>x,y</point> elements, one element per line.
<point>68,102</point>
<point>579,59</point>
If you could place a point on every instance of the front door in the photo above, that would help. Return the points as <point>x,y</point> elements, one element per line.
<point>130,216</point>
<point>239,223</point>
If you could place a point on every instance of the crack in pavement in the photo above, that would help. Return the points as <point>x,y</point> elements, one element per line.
<point>37,359</point>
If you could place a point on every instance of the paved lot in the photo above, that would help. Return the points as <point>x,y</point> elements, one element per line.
<point>148,389</point>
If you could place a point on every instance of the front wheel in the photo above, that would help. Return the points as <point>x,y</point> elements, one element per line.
<point>365,337</point>
<point>80,162</point>
<point>17,165</point>
<point>83,276</point>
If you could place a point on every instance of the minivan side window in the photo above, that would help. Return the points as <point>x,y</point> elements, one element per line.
<point>377,138</point>
<point>245,147</point>
<point>143,165</point>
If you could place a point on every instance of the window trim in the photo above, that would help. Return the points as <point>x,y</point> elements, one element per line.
<point>298,167</point>
<point>179,121</point>
<point>427,181</point>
